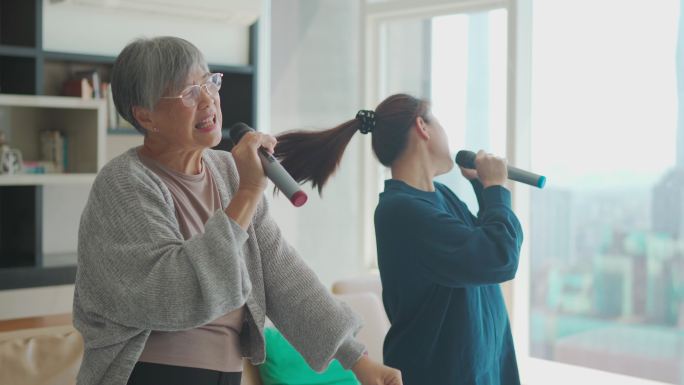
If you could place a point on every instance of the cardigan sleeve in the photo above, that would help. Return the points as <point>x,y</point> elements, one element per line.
<point>135,269</point>
<point>319,326</point>
<point>451,252</point>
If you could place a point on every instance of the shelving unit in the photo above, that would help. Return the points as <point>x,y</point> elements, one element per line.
<point>22,118</point>
<point>31,79</point>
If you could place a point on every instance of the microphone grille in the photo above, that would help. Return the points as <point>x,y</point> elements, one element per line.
<point>238,130</point>
<point>465,158</point>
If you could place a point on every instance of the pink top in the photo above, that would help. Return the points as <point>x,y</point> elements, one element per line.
<point>216,345</point>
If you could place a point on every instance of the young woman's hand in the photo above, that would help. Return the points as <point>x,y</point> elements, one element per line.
<point>369,372</point>
<point>491,170</point>
<point>468,173</point>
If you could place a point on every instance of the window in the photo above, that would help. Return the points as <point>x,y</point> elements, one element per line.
<point>606,235</point>
<point>468,86</point>
<point>592,102</point>
<point>457,61</point>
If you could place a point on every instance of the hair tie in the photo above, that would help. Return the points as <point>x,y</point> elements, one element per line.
<point>367,118</point>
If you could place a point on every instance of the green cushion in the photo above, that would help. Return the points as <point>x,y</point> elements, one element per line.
<point>285,366</point>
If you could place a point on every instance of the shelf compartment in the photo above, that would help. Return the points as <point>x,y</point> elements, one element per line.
<point>58,69</point>
<point>17,75</point>
<point>22,119</point>
<point>20,243</point>
<point>18,22</point>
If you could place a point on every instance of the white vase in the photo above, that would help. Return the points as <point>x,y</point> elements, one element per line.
<point>10,160</point>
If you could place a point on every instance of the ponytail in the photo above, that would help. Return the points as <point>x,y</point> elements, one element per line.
<point>313,156</point>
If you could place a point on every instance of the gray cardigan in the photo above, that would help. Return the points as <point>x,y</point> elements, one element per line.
<point>137,274</point>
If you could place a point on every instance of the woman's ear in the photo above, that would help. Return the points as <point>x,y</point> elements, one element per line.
<point>422,128</point>
<point>144,117</point>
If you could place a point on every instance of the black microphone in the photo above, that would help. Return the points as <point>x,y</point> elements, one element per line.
<point>272,168</point>
<point>466,159</point>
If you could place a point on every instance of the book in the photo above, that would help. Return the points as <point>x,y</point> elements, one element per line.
<point>84,84</point>
<point>54,149</point>
<point>112,115</point>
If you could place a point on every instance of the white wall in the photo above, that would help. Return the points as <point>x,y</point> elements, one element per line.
<point>62,207</point>
<point>100,31</point>
<point>36,301</point>
<point>314,85</point>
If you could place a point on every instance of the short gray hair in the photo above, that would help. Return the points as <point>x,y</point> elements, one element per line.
<point>147,68</point>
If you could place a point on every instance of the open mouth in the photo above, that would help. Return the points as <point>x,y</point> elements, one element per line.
<point>207,124</point>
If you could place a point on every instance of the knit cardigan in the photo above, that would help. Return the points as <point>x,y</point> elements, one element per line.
<point>136,274</point>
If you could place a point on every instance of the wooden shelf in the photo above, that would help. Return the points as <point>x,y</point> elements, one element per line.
<point>46,179</point>
<point>35,322</point>
<point>49,102</point>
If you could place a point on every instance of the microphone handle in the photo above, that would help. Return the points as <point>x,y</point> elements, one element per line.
<point>526,177</point>
<point>466,159</point>
<point>281,178</point>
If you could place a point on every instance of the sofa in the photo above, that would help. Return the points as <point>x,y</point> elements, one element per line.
<point>48,350</point>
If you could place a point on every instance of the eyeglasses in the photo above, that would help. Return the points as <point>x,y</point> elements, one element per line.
<point>191,94</point>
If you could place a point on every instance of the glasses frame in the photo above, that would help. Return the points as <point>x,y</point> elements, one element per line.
<point>190,98</point>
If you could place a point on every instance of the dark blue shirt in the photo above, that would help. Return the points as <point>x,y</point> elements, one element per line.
<point>440,268</point>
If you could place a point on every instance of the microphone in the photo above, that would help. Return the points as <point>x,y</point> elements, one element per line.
<point>466,159</point>
<point>272,168</point>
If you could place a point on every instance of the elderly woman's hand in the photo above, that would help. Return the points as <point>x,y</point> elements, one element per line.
<point>243,203</point>
<point>252,177</point>
<point>369,372</point>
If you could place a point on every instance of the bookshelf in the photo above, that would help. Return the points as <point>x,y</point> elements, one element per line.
<point>31,81</point>
<point>23,118</point>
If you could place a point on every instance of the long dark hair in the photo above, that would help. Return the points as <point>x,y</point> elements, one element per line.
<point>313,156</point>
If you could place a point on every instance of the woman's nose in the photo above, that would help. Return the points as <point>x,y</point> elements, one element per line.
<point>205,97</point>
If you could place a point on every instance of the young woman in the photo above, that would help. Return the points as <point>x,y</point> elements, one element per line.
<point>440,266</point>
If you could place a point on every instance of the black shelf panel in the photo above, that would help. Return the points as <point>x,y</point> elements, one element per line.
<point>20,237</point>
<point>25,277</point>
<point>237,97</point>
<point>103,59</point>
<point>122,131</point>
<point>18,22</point>
<point>226,69</point>
<point>78,57</point>
<point>17,75</point>
<point>8,50</point>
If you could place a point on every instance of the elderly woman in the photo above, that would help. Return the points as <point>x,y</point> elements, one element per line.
<point>179,261</point>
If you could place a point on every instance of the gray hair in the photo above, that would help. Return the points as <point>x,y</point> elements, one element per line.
<point>146,69</point>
